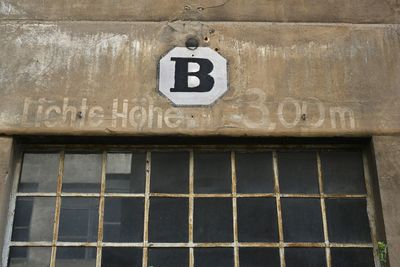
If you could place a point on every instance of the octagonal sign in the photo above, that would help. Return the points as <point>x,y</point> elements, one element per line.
<point>193,77</point>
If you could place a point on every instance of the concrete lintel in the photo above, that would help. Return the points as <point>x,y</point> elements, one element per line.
<point>100,78</point>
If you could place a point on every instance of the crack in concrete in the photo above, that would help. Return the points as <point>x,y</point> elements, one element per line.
<point>219,5</point>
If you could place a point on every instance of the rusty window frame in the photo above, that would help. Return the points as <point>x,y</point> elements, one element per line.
<point>105,149</point>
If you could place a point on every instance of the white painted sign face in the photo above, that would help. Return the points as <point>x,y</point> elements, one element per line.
<point>193,77</point>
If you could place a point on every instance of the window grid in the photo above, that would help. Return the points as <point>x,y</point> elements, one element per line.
<point>281,245</point>
<point>278,209</point>
<point>146,210</point>
<point>101,210</point>
<point>323,208</point>
<point>191,208</point>
<point>234,210</point>
<point>57,210</point>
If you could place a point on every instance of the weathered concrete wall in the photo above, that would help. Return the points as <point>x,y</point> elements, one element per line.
<point>6,154</point>
<point>354,11</point>
<point>387,153</point>
<point>285,79</point>
<point>90,68</point>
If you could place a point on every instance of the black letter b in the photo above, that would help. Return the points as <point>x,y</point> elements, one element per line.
<point>182,73</point>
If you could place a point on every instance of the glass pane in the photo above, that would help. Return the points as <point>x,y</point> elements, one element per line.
<point>78,219</point>
<point>352,257</point>
<point>302,220</point>
<point>215,257</point>
<point>212,172</point>
<point>123,220</point>
<point>39,173</point>
<point>343,172</point>
<point>168,220</point>
<point>259,257</point>
<point>168,257</point>
<point>170,172</point>
<point>126,173</point>
<point>348,220</point>
<point>213,220</point>
<point>257,221</point>
<point>298,172</point>
<point>121,257</point>
<point>29,257</point>
<point>305,257</point>
<point>254,172</point>
<point>76,256</point>
<point>82,173</point>
<point>34,219</point>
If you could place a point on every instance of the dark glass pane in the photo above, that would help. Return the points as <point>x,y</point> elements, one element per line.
<point>19,252</point>
<point>78,219</point>
<point>170,172</point>
<point>213,220</point>
<point>29,257</point>
<point>121,257</point>
<point>82,173</point>
<point>302,220</point>
<point>348,220</point>
<point>168,257</point>
<point>215,257</point>
<point>125,172</point>
<point>39,173</point>
<point>23,212</point>
<point>298,172</point>
<point>254,172</point>
<point>352,257</point>
<point>343,172</point>
<point>257,221</point>
<point>123,220</point>
<point>20,233</point>
<point>305,257</point>
<point>212,172</point>
<point>76,256</point>
<point>168,220</point>
<point>259,257</point>
<point>34,219</point>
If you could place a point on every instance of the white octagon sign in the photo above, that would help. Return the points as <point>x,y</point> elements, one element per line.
<point>193,77</point>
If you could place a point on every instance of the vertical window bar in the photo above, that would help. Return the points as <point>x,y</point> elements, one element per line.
<point>57,210</point>
<point>146,210</point>
<point>370,207</point>
<point>11,210</point>
<point>191,207</point>
<point>234,209</point>
<point>101,210</point>
<point>279,209</point>
<point>323,209</point>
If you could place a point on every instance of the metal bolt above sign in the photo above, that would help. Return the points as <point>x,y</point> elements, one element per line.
<point>193,77</point>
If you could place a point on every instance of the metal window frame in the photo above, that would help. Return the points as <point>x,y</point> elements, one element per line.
<point>145,245</point>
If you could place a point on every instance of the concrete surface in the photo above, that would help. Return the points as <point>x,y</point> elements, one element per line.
<point>284,79</point>
<point>328,68</point>
<point>354,11</point>
<point>387,153</point>
<point>6,154</point>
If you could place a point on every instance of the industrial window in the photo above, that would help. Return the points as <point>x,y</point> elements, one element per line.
<point>193,206</point>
